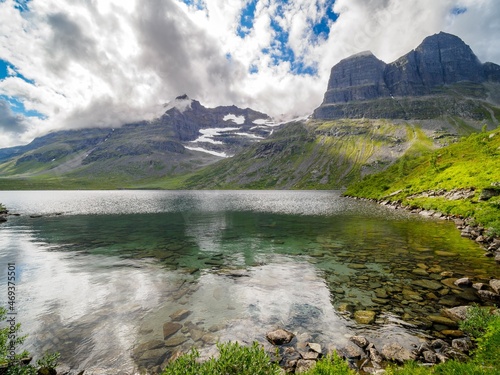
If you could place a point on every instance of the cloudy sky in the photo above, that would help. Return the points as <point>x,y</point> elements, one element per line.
<point>81,63</point>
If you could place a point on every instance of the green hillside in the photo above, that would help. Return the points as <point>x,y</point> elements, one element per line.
<point>473,163</point>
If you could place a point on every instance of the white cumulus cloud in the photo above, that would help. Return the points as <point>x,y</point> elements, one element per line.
<point>105,63</point>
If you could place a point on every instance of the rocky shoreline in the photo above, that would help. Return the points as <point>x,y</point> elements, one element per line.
<point>297,356</point>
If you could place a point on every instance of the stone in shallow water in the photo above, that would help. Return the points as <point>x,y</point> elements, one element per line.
<point>180,315</point>
<point>456,313</point>
<point>412,295</point>
<point>170,329</point>
<point>364,316</point>
<point>445,253</point>
<point>420,272</point>
<point>357,266</point>
<point>442,320</point>
<point>428,284</point>
<point>176,341</point>
<point>314,347</point>
<point>463,282</point>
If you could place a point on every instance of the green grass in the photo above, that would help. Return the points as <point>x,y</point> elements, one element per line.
<point>234,359</point>
<point>474,162</point>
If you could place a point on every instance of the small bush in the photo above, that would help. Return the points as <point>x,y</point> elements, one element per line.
<point>331,365</point>
<point>234,359</point>
<point>478,319</point>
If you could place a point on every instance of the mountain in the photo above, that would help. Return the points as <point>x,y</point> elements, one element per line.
<point>441,77</point>
<point>186,137</point>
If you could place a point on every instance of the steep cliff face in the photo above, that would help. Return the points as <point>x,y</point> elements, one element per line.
<point>358,77</point>
<point>441,60</point>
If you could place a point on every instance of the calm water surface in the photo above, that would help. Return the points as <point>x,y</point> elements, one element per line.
<point>101,272</point>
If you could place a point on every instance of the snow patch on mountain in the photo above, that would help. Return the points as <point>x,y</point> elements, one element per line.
<point>208,134</point>
<point>201,149</point>
<point>240,120</point>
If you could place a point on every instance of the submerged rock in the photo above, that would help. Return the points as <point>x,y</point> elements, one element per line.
<point>364,316</point>
<point>170,329</point>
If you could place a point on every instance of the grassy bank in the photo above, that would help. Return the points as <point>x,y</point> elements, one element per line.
<point>472,163</point>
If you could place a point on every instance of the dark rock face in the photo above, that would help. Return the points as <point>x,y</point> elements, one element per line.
<point>440,60</point>
<point>358,77</point>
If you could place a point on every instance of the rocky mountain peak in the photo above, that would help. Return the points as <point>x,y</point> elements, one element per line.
<point>440,60</point>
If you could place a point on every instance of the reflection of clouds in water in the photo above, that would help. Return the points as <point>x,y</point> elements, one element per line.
<point>281,294</point>
<point>85,307</point>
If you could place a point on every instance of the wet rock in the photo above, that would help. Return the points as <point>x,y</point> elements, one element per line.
<point>304,365</point>
<point>495,285</point>
<point>150,345</point>
<point>154,357</point>
<point>209,339</point>
<point>364,316</point>
<point>196,334</point>
<point>170,329</point>
<point>412,295</point>
<point>450,282</point>
<point>360,341</point>
<point>428,284</point>
<point>464,345</point>
<point>439,345</point>
<point>380,293</point>
<point>486,295</point>
<point>455,354</point>
<point>46,371</point>
<point>314,347</point>
<point>375,356</point>
<point>479,286</point>
<point>430,357</point>
<point>420,272</point>
<point>180,315</point>
<point>463,282</point>
<point>456,313</point>
<point>176,341</point>
<point>396,352</point>
<point>279,337</point>
<point>436,319</point>
<point>452,332</point>
<point>351,351</point>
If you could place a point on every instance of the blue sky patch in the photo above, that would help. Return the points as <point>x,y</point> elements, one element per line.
<point>198,4</point>
<point>458,10</point>
<point>322,29</point>
<point>246,19</point>
<point>18,108</point>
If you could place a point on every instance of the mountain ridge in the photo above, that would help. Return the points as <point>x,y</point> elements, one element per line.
<point>440,63</point>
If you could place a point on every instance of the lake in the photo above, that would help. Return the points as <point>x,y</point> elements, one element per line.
<point>104,276</point>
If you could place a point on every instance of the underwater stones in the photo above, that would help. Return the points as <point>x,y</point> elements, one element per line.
<point>436,319</point>
<point>411,295</point>
<point>364,316</point>
<point>170,329</point>
<point>450,283</point>
<point>175,341</point>
<point>445,253</point>
<point>428,284</point>
<point>279,336</point>
<point>180,315</point>
<point>420,272</point>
